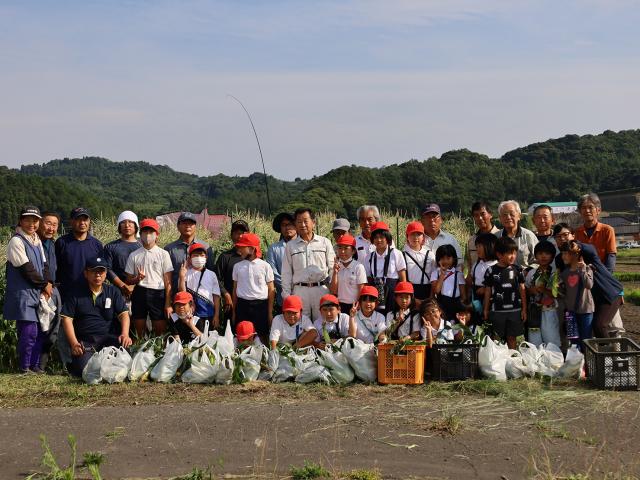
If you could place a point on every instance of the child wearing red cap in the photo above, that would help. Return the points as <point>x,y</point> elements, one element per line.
<point>253,288</point>
<point>385,266</point>
<point>349,275</point>
<point>202,284</point>
<point>420,262</point>
<point>365,323</point>
<point>246,336</point>
<point>333,324</point>
<point>149,268</point>
<point>292,326</point>
<point>185,326</point>
<point>403,322</point>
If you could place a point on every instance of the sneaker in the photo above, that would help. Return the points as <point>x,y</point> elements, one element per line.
<point>26,372</point>
<point>38,370</point>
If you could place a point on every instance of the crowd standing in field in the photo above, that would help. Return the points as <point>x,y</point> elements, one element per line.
<point>552,286</point>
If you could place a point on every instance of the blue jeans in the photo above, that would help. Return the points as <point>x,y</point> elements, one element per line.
<point>585,327</point>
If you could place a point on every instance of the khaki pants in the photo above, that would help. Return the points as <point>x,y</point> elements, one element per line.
<point>607,321</point>
<point>310,299</point>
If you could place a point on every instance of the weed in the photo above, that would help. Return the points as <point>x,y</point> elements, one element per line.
<point>449,424</point>
<point>196,474</point>
<point>364,475</point>
<point>309,471</point>
<point>117,432</point>
<point>632,296</point>
<point>627,276</point>
<point>55,472</point>
<point>92,462</point>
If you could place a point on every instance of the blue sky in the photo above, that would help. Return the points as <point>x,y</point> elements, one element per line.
<point>328,83</point>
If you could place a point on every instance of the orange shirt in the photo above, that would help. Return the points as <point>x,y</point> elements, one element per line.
<point>603,239</point>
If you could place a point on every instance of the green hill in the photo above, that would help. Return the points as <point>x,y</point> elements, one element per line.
<point>558,169</point>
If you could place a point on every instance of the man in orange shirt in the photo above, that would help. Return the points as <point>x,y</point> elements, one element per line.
<point>601,236</point>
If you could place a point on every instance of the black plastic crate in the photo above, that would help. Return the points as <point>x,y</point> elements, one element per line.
<point>448,362</point>
<point>613,363</point>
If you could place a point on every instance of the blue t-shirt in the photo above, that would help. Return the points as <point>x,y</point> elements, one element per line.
<point>71,256</point>
<point>116,254</point>
<point>94,318</point>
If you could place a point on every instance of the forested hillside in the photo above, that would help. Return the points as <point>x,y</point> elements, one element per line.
<point>559,169</point>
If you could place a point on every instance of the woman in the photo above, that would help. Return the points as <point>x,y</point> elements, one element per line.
<point>510,215</point>
<point>27,282</point>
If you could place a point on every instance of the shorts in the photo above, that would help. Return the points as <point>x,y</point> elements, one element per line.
<point>507,324</point>
<point>256,312</point>
<point>147,301</point>
<point>421,291</point>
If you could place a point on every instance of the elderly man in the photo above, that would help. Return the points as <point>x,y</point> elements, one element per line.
<point>307,264</point>
<point>543,220</point>
<point>510,215</point>
<point>94,317</point>
<point>367,216</point>
<point>434,236</point>
<point>284,225</point>
<point>483,219</point>
<point>593,232</point>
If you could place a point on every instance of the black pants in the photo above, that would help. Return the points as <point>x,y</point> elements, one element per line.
<point>91,345</point>
<point>255,311</point>
<point>450,306</point>
<point>421,291</point>
<point>345,307</point>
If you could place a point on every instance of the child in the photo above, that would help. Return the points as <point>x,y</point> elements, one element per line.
<point>447,282</point>
<point>349,275</point>
<point>365,322</point>
<point>246,336</point>
<point>505,297</point>
<point>420,262</point>
<point>542,321</point>
<point>149,269</point>
<point>577,281</point>
<point>253,289</point>
<point>485,244</point>
<point>403,322</point>
<point>333,324</point>
<point>202,284</point>
<point>385,266</point>
<point>434,328</point>
<point>185,325</point>
<point>292,326</point>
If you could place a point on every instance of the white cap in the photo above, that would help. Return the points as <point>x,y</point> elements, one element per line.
<point>128,215</point>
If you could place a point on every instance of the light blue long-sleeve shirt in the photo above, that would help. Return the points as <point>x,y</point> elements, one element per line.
<point>275,254</point>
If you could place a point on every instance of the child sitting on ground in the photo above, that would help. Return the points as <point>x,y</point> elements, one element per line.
<point>184,325</point>
<point>333,324</point>
<point>403,322</point>
<point>365,323</point>
<point>434,328</point>
<point>246,336</point>
<point>292,327</point>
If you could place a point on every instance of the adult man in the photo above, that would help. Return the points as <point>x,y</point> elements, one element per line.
<point>367,216</point>
<point>116,253</point>
<point>178,249</point>
<point>73,250</point>
<point>226,261</point>
<point>483,218</point>
<point>543,220</point>
<point>434,236</point>
<point>510,215</point>
<point>307,264</point>
<point>94,316</point>
<point>283,224</point>
<point>47,231</point>
<point>600,235</point>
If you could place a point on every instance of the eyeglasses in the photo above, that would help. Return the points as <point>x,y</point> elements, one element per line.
<point>563,235</point>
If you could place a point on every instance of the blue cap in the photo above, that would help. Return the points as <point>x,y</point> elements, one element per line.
<point>94,263</point>
<point>187,217</point>
<point>79,212</point>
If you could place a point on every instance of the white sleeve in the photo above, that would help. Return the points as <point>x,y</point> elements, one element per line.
<point>276,331</point>
<point>16,253</point>
<point>167,266</point>
<point>381,323</point>
<point>401,264</point>
<point>130,267</point>
<point>389,320</point>
<point>234,273</point>
<point>287,273</point>
<point>367,264</point>
<point>343,325</point>
<point>434,275</point>
<point>269,277</point>
<point>361,273</point>
<point>215,286</point>
<point>331,256</point>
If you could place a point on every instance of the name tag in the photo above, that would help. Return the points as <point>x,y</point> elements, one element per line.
<point>107,303</point>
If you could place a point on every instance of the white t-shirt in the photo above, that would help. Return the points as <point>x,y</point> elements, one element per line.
<point>374,264</point>
<point>154,262</point>
<point>368,328</point>
<point>449,284</point>
<point>479,270</point>
<point>363,247</point>
<point>251,279</point>
<point>443,332</point>
<point>349,279</point>
<point>426,260</point>
<point>282,332</point>
<point>16,251</point>
<point>411,323</point>
<point>341,324</point>
<point>208,285</point>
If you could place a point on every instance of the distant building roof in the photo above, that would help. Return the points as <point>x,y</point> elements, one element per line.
<point>556,207</point>
<point>213,223</point>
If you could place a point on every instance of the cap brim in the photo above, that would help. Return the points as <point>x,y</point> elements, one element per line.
<point>330,304</point>
<point>242,338</point>
<point>30,215</point>
<point>98,267</point>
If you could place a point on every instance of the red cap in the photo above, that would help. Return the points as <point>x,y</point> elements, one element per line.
<point>379,226</point>
<point>368,290</point>
<point>182,297</point>
<point>250,240</point>
<point>414,227</point>
<point>347,239</point>
<point>404,287</point>
<point>292,303</point>
<point>329,299</point>
<point>245,330</point>
<point>196,246</point>
<point>150,223</point>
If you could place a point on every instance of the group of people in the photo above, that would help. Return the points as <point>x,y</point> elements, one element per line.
<point>554,285</point>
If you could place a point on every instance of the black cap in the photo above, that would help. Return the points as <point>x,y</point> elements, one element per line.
<point>187,217</point>
<point>79,212</point>
<point>240,225</point>
<point>277,221</point>
<point>94,263</point>
<point>30,211</point>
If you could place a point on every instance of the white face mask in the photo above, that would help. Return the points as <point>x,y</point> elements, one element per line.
<point>148,238</point>
<point>198,262</point>
<point>184,315</point>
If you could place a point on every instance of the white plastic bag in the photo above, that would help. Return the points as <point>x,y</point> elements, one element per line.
<point>250,359</point>
<point>142,360</point>
<point>337,364</point>
<point>91,371</point>
<point>270,366</point>
<point>573,364</point>
<point>224,375</point>
<point>225,345</point>
<point>203,368</point>
<point>550,360</point>
<point>492,359</point>
<point>362,357</point>
<point>314,372</point>
<point>166,368</point>
<point>515,366</point>
<point>46,312</point>
<point>530,355</point>
<point>114,367</point>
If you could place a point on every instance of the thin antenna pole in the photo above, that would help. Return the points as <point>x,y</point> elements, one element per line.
<point>264,170</point>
